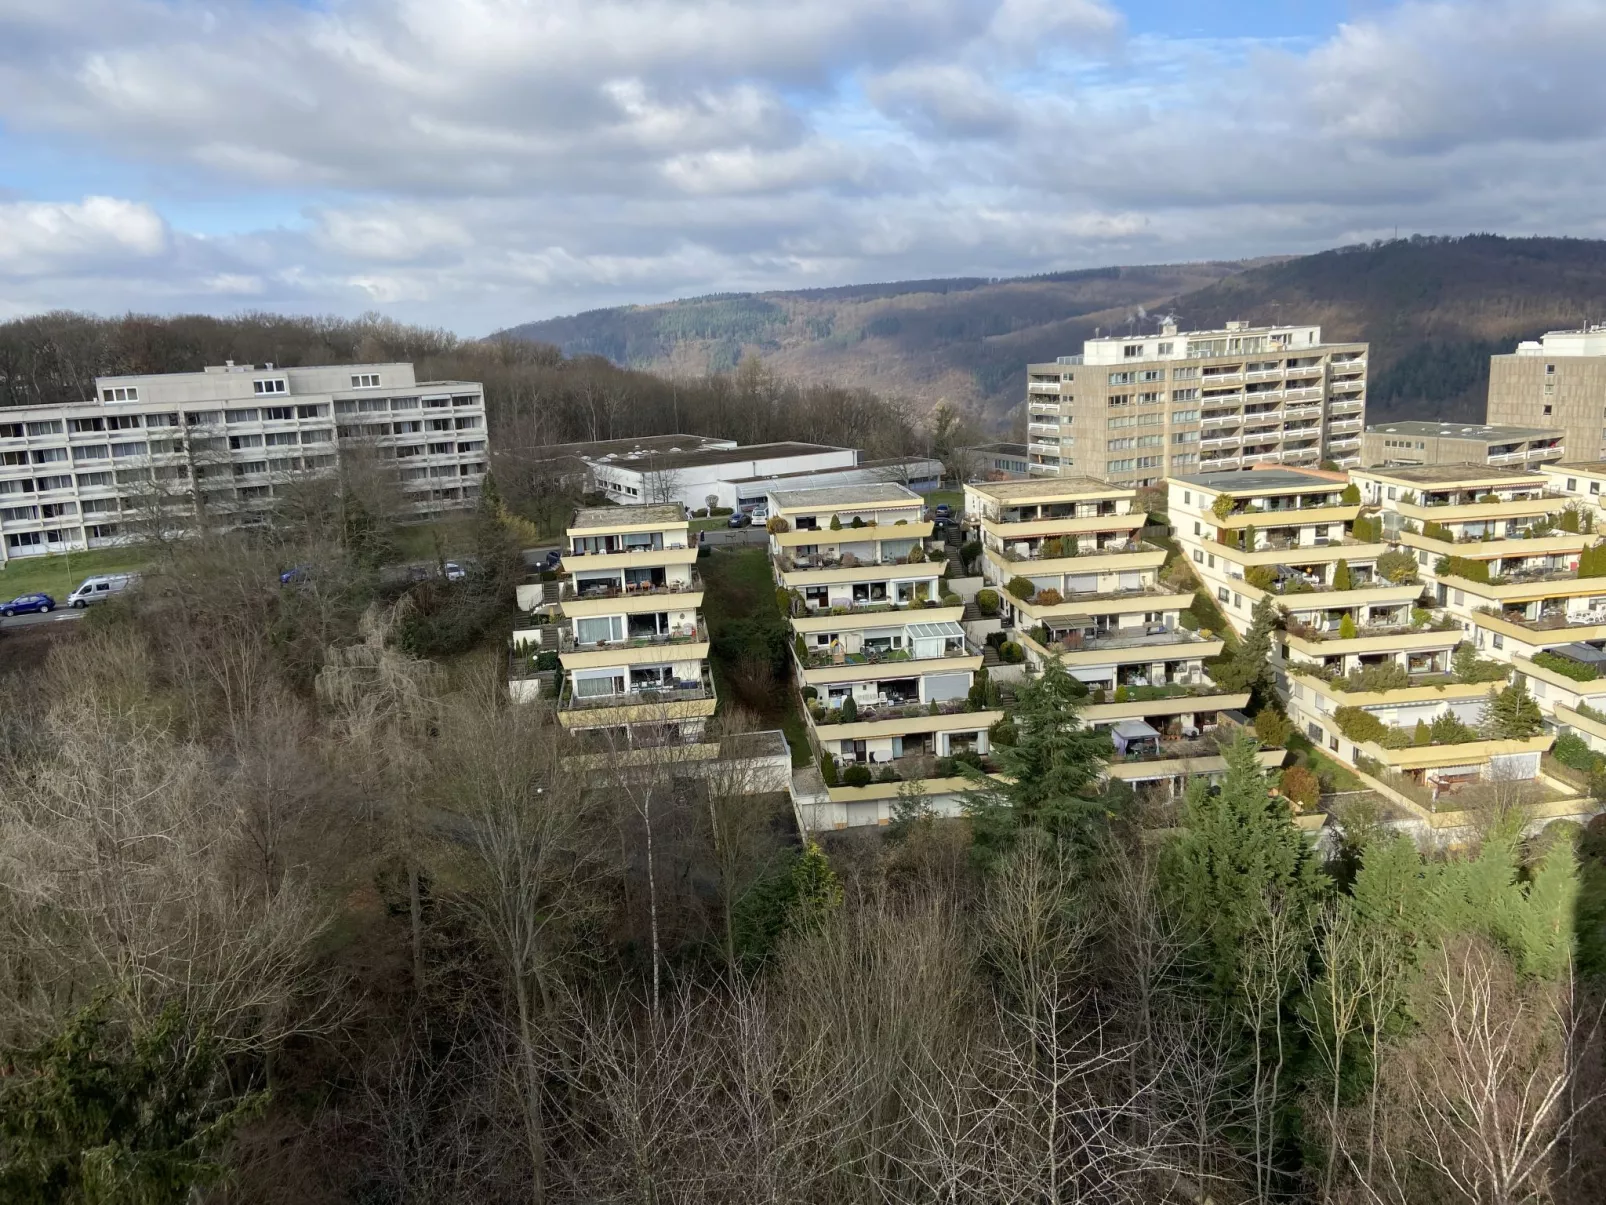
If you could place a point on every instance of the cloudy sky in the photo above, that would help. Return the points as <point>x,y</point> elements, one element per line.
<point>476,163</point>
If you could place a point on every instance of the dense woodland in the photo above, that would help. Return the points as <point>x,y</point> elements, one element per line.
<point>534,395</point>
<point>296,907</point>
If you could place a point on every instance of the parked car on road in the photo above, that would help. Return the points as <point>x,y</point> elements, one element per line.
<point>100,588</point>
<point>944,511</point>
<point>738,519</point>
<point>454,572</point>
<point>27,604</point>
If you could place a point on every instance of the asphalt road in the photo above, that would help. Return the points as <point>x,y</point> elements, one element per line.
<point>60,615</point>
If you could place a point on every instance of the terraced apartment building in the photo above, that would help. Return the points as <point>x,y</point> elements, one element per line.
<point>150,452</point>
<point>1392,582</point>
<point>1079,586</point>
<point>625,622</point>
<point>882,663</point>
<point>1134,410</point>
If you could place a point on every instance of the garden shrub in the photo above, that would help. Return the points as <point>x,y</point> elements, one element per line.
<point>836,522</point>
<point>1346,627</point>
<point>1120,694</point>
<point>857,776</point>
<point>1261,577</point>
<point>1566,666</point>
<point>1021,587</point>
<point>1397,567</point>
<point>1049,598</point>
<point>1359,725</point>
<point>858,521</point>
<point>1449,730</point>
<point>987,601</point>
<point>889,775</point>
<point>1272,728</point>
<point>1011,653</point>
<point>777,525</point>
<point>1302,786</point>
<point>828,769</point>
<point>849,709</point>
<point>1351,495</point>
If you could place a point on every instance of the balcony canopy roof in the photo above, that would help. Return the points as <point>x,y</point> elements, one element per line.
<point>948,629</point>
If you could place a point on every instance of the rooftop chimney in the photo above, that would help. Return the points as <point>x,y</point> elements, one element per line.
<point>1235,325</point>
<point>1170,328</point>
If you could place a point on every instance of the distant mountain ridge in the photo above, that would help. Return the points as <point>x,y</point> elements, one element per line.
<point>1434,309</point>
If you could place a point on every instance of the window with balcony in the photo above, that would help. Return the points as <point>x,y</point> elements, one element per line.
<point>47,427</point>
<point>278,414</point>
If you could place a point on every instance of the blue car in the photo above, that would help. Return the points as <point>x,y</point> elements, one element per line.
<point>944,511</point>
<point>23,604</point>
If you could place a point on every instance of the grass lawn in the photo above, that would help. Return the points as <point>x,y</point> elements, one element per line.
<point>59,576</point>
<point>739,585</point>
<point>717,523</point>
<point>954,498</point>
<point>1334,774</point>
<point>416,541</point>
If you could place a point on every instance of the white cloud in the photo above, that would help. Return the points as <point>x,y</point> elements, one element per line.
<point>479,162</point>
<point>38,237</point>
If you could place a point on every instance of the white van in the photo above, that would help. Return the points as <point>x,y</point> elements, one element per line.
<point>101,587</point>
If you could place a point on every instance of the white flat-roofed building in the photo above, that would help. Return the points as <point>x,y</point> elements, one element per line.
<point>731,476</point>
<point>89,474</point>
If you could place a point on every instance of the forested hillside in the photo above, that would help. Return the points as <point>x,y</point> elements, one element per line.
<point>534,395</point>
<point>966,339</point>
<point>1433,309</point>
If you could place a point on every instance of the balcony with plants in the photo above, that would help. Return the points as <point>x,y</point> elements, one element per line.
<point>1450,673</point>
<point>661,582</point>
<point>1510,722</point>
<point>646,695</point>
<point>902,706</point>
<point>1315,506</point>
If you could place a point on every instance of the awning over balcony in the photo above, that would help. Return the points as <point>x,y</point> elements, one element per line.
<point>1129,733</point>
<point>947,630</point>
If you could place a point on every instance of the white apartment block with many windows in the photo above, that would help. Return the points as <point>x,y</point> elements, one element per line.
<point>1132,410</point>
<point>149,450</point>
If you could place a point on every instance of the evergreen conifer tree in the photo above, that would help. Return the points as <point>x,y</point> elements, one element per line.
<point>1346,627</point>
<point>1511,714</point>
<point>1341,575</point>
<point>1050,771</point>
<point>1248,667</point>
<point>1240,857</point>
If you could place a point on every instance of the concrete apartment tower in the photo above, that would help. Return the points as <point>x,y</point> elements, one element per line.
<point>1558,380</point>
<point>1133,409</point>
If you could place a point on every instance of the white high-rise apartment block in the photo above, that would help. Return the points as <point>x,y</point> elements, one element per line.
<point>89,474</point>
<point>1131,410</point>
